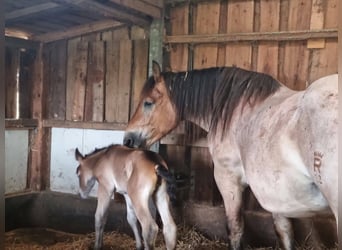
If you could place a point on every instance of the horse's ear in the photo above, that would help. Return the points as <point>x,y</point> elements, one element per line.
<point>156,71</point>
<point>79,157</point>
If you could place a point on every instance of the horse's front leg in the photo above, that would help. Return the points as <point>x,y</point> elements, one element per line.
<point>231,189</point>
<point>103,200</point>
<point>284,231</point>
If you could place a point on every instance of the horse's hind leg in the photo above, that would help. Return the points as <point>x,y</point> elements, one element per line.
<point>103,199</point>
<point>133,222</point>
<point>169,226</point>
<point>148,226</point>
<point>284,231</point>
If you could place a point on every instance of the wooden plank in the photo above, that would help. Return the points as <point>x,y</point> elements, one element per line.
<point>140,51</point>
<point>84,125</point>
<point>240,19</point>
<point>316,22</point>
<point>11,82</point>
<point>56,80</point>
<point>77,31</point>
<point>221,48</point>
<point>112,79</point>
<point>14,42</point>
<point>325,61</point>
<point>140,6</point>
<point>158,3</point>
<point>179,18</point>
<point>267,61</point>
<point>298,35</point>
<point>37,174</point>
<point>29,11</point>
<point>206,22</point>
<point>94,104</point>
<point>294,72</point>
<point>107,11</point>
<point>25,82</point>
<point>21,123</point>
<point>76,79</point>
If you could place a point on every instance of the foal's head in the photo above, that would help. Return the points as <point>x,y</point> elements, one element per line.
<point>85,175</point>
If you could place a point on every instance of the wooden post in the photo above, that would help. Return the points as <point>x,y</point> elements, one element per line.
<point>39,137</point>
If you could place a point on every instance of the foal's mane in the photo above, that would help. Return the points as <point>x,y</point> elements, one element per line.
<point>97,150</point>
<point>214,93</point>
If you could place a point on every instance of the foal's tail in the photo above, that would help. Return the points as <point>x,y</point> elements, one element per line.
<point>164,173</point>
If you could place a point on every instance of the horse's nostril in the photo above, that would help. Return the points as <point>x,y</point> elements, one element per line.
<point>128,142</point>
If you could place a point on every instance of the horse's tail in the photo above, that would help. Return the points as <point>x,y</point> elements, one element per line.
<point>164,173</point>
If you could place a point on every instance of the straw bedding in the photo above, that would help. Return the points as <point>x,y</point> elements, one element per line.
<point>40,238</point>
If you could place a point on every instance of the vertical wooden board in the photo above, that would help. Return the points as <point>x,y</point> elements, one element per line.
<point>316,22</point>
<point>112,78</point>
<point>56,97</point>
<point>94,103</point>
<point>331,14</point>
<point>11,69</point>
<point>76,79</point>
<point>179,53</point>
<point>25,82</point>
<point>240,19</point>
<point>221,48</point>
<point>204,183</point>
<point>324,61</point>
<point>124,87</point>
<point>294,71</point>
<point>206,22</point>
<point>140,51</point>
<point>267,61</point>
<point>96,36</point>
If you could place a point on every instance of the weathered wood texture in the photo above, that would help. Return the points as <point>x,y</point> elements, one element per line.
<point>275,40</point>
<point>95,77</point>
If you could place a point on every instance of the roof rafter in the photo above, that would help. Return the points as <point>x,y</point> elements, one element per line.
<point>32,10</point>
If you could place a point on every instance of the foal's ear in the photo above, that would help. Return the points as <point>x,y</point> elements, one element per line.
<point>156,71</point>
<point>79,157</point>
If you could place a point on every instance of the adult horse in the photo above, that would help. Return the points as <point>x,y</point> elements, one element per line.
<point>280,142</point>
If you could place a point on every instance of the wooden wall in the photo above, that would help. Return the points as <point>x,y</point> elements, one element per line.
<point>201,34</point>
<point>91,78</point>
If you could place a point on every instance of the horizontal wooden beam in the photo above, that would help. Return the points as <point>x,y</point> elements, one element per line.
<point>106,11</point>
<point>252,37</point>
<point>139,6</point>
<point>84,125</point>
<point>21,123</point>
<point>21,43</point>
<point>77,31</point>
<point>29,11</point>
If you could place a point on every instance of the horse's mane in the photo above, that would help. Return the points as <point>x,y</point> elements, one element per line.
<point>97,150</point>
<point>215,92</point>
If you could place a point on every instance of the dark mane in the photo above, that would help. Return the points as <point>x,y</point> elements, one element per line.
<point>215,92</point>
<point>96,150</point>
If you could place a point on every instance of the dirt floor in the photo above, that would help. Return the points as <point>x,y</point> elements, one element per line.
<point>41,238</point>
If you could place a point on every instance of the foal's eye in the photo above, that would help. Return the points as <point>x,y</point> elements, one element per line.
<point>148,104</point>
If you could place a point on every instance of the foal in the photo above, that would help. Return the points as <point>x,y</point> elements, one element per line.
<point>138,175</point>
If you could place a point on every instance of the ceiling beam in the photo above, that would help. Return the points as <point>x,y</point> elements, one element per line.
<point>106,11</point>
<point>77,31</point>
<point>140,6</point>
<point>29,11</point>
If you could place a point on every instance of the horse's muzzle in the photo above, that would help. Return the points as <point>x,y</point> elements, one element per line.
<point>133,140</point>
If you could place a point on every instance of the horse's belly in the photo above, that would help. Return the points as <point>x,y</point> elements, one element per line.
<point>290,197</point>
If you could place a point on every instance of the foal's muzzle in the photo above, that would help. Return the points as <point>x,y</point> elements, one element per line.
<point>134,140</point>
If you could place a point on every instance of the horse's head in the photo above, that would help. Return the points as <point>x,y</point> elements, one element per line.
<point>85,175</point>
<point>155,115</point>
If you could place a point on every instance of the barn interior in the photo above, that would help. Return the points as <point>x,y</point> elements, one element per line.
<point>73,74</point>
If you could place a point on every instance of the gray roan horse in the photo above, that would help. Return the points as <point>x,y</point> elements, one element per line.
<point>139,175</point>
<point>280,142</point>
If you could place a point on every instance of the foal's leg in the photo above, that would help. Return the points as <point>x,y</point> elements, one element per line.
<point>133,222</point>
<point>284,231</point>
<point>169,226</point>
<point>149,227</point>
<point>103,199</point>
<point>231,190</point>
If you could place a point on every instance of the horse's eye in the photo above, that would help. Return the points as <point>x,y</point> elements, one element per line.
<point>148,104</point>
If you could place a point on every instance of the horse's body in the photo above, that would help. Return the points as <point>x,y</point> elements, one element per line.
<point>139,175</point>
<point>282,143</point>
